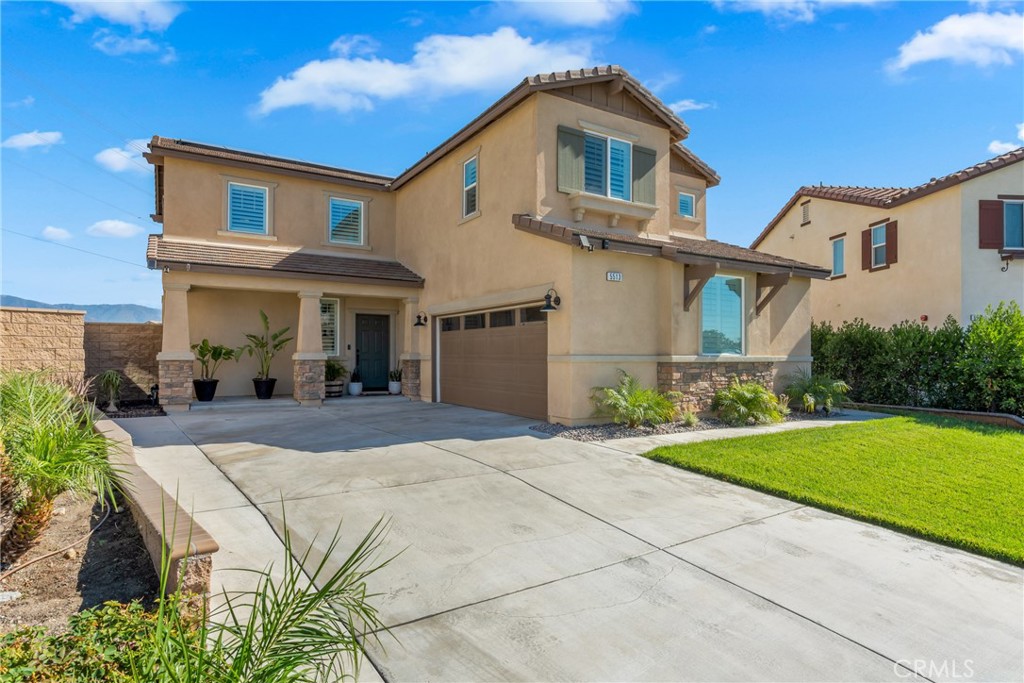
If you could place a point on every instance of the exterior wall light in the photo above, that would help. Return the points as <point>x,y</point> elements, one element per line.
<point>551,302</point>
<point>421,320</point>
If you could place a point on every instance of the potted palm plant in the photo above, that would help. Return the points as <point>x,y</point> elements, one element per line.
<point>355,386</point>
<point>334,378</point>
<point>395,382</point>
<point>264,347</point>
<point>210,356</point>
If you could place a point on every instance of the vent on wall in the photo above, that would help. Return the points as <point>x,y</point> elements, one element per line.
<point>805,213</point>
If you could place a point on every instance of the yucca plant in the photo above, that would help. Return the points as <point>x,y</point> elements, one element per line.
<point>110,382</point>
<point>817,391</point>
<point>633,404</point>
<point>747,403</point>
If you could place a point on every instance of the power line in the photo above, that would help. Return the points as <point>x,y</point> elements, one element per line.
<point>68,246</point>
<point>8,160</point>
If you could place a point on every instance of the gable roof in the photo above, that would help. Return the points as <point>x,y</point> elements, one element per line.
<point>887,197</point>
<point>528,86</point>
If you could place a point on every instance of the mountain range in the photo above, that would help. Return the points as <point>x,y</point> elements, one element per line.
<point>94,313</point>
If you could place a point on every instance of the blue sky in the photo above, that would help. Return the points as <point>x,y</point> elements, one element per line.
<point>777,94</point>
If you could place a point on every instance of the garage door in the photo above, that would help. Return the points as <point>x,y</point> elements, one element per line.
<point>496,361</point>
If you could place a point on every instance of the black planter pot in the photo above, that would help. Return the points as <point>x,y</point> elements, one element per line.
<point>205,388</point>
<point>264,387</point>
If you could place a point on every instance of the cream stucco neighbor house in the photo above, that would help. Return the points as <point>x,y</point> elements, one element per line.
<point>557,237</point>
<point>951,246</point>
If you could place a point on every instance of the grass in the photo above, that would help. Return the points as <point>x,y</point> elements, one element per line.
<point>954,482</point>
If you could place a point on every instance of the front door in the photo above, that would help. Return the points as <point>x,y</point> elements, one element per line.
<point>373,350</point>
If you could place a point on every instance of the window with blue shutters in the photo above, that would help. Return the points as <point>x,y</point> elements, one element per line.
<point>686,204</point>
<point>595,152</point>
<point>620,173</point>
<point>607,167</point>
<point>247,209</point>
<point>345,221</point>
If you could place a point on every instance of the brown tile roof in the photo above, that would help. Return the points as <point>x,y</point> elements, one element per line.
<point>887,197</point>
<point>709,173</point>
<point>200,256</point>
<point>160,145</point>
<point>684,249</point>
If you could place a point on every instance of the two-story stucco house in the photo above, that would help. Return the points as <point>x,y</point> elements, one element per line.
<point>951,246</point>
<point>557,237</point>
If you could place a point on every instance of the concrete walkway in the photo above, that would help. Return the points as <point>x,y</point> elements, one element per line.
<point>526,557</point>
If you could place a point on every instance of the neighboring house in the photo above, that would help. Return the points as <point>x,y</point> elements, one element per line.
<point>951,246</point>
<point>556,238</point>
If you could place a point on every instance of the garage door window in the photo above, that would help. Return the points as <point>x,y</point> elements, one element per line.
<point>503,318</point>
<point>450,324</point>
<point>531,315</point>
<point>475,322</point>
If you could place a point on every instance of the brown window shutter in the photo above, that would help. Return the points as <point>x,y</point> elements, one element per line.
<point>990,224</point>
<point>891,243</point>
<point>865,249</point>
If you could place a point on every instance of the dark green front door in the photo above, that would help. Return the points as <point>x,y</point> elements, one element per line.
<point>373,350</point>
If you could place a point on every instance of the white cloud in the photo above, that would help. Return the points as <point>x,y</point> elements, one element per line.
<point>56,234</point>
<point>586,13</point>
<point>113,228</point>
<point>1020,132</point>
<point>34,139</point>
<point>998,147</point>
<point>114,45</point>
<point>788,11</point>
<point>688,105</point>
<point>26,101</point>
<point>978,38</point>
<point>127,158</point>
<point>709,30</point>
<point>441,65</point>
<point>140,15</point>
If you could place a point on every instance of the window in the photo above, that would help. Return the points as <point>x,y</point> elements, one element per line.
<point>686,204</point>
<point>503,318</point>
<point>247,209</point>
<point>532,315</point>
<point>450,324</point>
<point>607,167</point>
<point>721,311</point>
<point>1013,225</point>
<point>878,246</point>
<point>329,326</point>
<point>475,321</point>
<point>469,188</point>
<point>345,221</point>
<point>838,257</point>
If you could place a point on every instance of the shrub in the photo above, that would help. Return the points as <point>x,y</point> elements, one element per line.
<point>334,370</point>
<point>633,404</point>
<point>747,403</point>
<point>689,418</point>
<point>993,360</point>
<point>815,392</point>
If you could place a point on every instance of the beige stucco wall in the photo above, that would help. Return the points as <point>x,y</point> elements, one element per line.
<point>194,208</point>
<point>984,283</point>
<point>924,281</point>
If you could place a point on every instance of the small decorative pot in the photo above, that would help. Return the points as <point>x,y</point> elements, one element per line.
<point>394,388</point>
<point>355,388</point>
<point>264,387</point>
<point>205,388</point>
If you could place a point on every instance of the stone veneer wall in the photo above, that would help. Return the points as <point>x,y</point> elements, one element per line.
<point>128,347</point>
<point>411,378</point>
<point>175,383</point>
<point>698,382</point>
<point>309,381</point>
<point>43,339</point>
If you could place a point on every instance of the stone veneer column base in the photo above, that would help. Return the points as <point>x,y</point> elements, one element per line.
<point>411,378</point>
<point>175,382</point>
<point>309,381</point>
<point>698,382</point>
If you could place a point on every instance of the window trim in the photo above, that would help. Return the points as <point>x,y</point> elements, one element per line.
<point>362,221</point>
<point>882,245</point>
<point>832,242</point>
<point>466,188</point>
<point>693,205</point>
<point>268,207</point>
<point>337,326</point>
<point>1017,202</point>
<point>743,319</point>
<point>608,166</point>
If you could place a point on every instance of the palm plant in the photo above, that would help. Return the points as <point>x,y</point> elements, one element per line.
<point>817,391</point>
<point>210,356</point>
<point>265,346</point>
<point>110,383</point>
<point>633,404</point>
<point>747,403</point>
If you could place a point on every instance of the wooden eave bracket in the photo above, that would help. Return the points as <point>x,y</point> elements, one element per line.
<point>773,283</point>
<point>694,278</point>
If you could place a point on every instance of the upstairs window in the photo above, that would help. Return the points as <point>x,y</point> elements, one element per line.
<point>1001,223</point>
<point>470,181</point>
<point>878,246</point>
<point>1013,225</point>
<point>686,204</point>
<point>838,257</point>
<point>345,221</point>
<point>247,209</point>
<point>721,311</point>
<point>605,165</point>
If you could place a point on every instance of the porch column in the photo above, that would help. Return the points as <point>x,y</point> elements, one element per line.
<point>309,356</point>
<point>415,339</point>
<point>175,360</point>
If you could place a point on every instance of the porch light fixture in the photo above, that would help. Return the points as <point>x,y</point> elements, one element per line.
<point>551,302</point>
<point>421,320</point>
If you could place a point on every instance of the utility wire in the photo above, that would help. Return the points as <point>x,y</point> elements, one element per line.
<point>133,214</point>
<point>68,246</point>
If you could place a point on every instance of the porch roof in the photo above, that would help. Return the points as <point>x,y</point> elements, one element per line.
<point>682,250</point>
<point>211,257</point>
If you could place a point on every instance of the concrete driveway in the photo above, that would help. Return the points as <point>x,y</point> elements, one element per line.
<point>532,558</point>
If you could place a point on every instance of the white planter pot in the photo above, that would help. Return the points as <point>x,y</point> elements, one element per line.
<point>355,388</point>
<point>394,388</point>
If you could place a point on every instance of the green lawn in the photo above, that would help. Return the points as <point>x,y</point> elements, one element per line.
<point>949,481</point>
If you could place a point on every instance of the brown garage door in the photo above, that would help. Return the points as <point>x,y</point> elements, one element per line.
<point>496,361</point>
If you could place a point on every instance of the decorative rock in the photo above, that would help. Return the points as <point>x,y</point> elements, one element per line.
<point>60,511</point>
<point>71,554</point>
<point>7,596</point>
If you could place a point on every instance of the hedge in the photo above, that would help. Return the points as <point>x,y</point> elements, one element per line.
<point>977,367</point>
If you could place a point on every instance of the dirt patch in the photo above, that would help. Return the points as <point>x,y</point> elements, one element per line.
<point>603,432</point>
<point>112,564</point>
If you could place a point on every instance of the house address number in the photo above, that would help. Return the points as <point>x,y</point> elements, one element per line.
<point>614,276</point>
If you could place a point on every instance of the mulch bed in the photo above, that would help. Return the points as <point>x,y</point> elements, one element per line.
<point>603,432</point>
<point>136,409</point>
<point>112,564</point>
